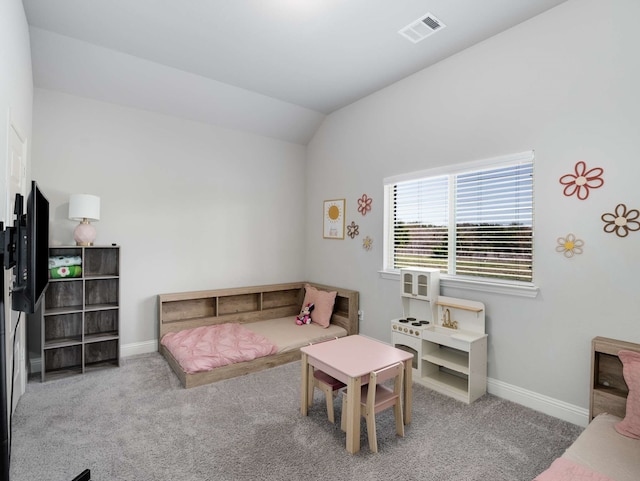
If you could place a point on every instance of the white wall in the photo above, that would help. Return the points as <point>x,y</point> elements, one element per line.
<point>196,206</point>
<point>16,99</point>
<point>68,65</point>
<point>193,206</point>
<point>16,84</point>
<point>564,84</point>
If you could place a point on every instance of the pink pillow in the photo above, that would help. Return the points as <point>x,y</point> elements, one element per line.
<point>323,302</point>
<point>630,425</point>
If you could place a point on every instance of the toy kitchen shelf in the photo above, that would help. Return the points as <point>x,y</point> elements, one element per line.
<point>452,361</point>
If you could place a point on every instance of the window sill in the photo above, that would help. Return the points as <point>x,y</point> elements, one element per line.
<point>520,289</point>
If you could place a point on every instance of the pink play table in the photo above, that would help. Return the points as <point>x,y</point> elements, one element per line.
<point>351,359</point>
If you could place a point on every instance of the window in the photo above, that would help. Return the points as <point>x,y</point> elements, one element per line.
<point>473,220</point>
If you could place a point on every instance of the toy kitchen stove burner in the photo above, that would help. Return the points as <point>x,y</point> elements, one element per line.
<point>409,326</point>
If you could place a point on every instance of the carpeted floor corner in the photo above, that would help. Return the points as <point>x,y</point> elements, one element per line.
<point>136,423</point>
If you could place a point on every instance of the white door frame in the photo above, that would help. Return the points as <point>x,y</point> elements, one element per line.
<point>15,182</point>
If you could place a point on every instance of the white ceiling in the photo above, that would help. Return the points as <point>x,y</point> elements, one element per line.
<point>250,60</point>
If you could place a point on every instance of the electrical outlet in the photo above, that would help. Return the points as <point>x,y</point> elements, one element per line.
<point>361,315</point>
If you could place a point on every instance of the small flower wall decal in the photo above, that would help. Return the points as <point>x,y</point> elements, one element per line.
<point>367,243</point>
<point>352,229</point>
<point>621,221</point>
<point>582,180</point>
<point>569,245</point>
<point>364,204</point>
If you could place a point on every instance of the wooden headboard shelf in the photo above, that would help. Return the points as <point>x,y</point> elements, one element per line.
<point>608,389</point>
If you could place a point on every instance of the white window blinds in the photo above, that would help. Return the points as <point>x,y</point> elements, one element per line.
<point>475,221</point>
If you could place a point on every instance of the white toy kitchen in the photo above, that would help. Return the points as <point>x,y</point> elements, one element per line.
<point>445,334</point>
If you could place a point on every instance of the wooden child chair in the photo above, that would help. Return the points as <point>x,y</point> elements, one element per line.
<point>327,384</point>
<point>375,398</point>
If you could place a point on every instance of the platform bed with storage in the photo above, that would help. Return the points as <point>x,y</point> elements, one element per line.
<point>609,448</point>
<point>258,313</point>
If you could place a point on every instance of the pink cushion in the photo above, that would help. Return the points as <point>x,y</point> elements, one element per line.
<point>323,304</point>
<point>630,425</point>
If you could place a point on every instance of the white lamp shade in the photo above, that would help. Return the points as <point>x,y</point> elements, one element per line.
<point>84,206</point>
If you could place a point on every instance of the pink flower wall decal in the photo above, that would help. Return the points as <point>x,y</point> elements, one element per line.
<point>364,204</point>
<point>582,180</point>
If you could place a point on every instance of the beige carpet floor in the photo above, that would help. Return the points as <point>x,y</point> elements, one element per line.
<point>135,423</point>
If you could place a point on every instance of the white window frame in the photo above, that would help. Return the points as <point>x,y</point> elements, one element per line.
<point>517,288</point>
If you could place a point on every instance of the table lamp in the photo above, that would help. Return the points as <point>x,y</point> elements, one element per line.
<point>85,208</point>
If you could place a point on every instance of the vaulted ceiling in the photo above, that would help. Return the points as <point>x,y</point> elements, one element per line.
<point>271,67</point>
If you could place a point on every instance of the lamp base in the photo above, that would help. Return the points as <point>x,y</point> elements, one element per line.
<point>84,234</point>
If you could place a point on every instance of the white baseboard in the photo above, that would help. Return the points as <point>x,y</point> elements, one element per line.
<point>136,348</point>
<point>35,365</point>
<point>538,402</point>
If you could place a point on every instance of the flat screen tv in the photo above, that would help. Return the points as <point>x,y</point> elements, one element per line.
<point>32,251</point>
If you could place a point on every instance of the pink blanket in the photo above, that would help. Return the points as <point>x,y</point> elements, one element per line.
<point>204,348</point>
<point>564,470</point>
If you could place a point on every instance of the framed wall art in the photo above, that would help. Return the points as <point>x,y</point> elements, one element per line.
<point>333,219</point>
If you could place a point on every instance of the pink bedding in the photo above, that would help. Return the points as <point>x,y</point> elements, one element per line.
<point>565,470</point>
<point>204,348</point>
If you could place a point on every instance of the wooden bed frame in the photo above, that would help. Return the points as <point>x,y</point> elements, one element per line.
<point>187,310</point>
<point>609,391</point>
<point>600,450</point>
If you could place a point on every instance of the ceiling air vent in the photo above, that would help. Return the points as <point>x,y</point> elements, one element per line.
<point>423,27</point>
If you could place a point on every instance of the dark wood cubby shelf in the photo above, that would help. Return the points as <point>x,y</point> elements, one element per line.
<point>81,315</point>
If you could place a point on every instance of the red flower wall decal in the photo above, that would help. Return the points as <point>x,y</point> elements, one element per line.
<point>364,204</point>
<point>583,180</point>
